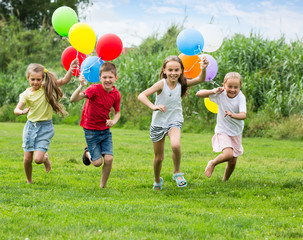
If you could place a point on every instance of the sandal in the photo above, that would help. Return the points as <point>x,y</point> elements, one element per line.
<point>180,182</point>
<point>84,158</point>
<point>158,185</point>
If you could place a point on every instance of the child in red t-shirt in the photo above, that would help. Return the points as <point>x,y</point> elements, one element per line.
<point>95,118</point>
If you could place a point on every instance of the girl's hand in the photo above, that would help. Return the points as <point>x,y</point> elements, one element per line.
<point>159,108</point>
<point>227,113</point>
<point>82,80</point>
<point>25,110</point>
<point>74,64</point>
<point>218,90</point>
<point>204,62</point>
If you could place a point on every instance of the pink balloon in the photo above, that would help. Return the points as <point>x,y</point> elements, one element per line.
<point>212,68</point>
<point>109,47</point>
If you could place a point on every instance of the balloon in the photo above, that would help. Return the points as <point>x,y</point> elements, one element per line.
<point>62,20</point>
<point>109,47</point>
<point>90,68</point>
<point>82,37</point>
<point>68,55</point>
<point>212,68</point>
<point>213,37</point>
<point>211,106</point>
<point>191,65</point>
<point>190,42</point>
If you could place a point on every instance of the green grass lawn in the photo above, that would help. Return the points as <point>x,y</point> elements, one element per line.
<point>262,200</point>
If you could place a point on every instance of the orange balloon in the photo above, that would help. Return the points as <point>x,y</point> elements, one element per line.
<point>191,65</point>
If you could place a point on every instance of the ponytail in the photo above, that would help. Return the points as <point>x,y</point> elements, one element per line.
<point>53,93</point>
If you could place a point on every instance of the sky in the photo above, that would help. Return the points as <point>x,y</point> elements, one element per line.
<point>135,20</point>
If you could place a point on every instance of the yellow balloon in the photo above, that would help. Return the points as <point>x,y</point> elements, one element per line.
<point>82,37</point>
<point>211,106</point>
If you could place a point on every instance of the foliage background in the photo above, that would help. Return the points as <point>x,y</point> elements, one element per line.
<point>271,71</point>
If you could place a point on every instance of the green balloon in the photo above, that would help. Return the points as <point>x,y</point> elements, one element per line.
<point>63,19</point>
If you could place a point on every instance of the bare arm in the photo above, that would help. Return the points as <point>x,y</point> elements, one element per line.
<point>77,94</point>
<point>202,75</point>
<point>18,110</point>
<point>143,97</point>
<point>116,118</point>
<point>69,73</point>
<point>205,93</point>
<point>239,116</point>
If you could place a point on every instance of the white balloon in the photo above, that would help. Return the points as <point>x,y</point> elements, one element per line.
<point>213,37</point>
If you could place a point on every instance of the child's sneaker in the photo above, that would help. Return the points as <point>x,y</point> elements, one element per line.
<point>84,158</point>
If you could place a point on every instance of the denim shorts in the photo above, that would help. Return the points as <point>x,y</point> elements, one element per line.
<point>37,135</point>
<point>99,142</point>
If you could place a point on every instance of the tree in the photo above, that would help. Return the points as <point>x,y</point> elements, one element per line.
<point>36,13</point>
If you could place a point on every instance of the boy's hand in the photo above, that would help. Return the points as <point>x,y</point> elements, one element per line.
<point>82,80</point>
<point>109,123</point>
<point>160,108</point>
<point>204,62</point>
<point>218,90</point>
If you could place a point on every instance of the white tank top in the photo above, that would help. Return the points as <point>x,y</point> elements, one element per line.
<point>172,101</point>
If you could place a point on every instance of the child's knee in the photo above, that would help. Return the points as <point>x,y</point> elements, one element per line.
<point>159,158</point>
<point>98,162</point>
<point>108,159</point>
<point>39,160</point>
<point>175,147</point>
<point>28,160</point>
<point>228,153</point>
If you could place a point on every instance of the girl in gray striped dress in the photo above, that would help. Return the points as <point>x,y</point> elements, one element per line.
<point>167,116</point>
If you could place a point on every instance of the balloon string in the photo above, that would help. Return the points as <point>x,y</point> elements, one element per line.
<point>192,66</point>
<point>199,50</point>
<point>78,66</point>
<point>213,82</point>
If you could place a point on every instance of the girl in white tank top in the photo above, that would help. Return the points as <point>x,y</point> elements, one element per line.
<point>167,116</point>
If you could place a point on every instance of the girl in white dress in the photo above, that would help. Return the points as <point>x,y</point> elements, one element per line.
<point>230,123</point>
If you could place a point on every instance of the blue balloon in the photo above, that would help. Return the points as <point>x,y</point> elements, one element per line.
<point>190,42</point>
<point>90,68</point>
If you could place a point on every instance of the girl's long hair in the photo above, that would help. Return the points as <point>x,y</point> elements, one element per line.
<point>53,92</point>
<point>182,79</point>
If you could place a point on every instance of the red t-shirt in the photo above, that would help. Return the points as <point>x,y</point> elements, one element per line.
<point>98,106</point>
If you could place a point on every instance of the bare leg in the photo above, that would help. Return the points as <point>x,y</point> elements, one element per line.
<point>42,157</point>
<point>174,135</point>
<point>159,157</point>
<point>96,163</point>
<point>231,165</point>
<point>226,155</point>
<point>28,167</point>
<point>107,167</point>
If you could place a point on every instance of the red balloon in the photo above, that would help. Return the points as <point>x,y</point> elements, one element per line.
<point>68,55</point>
<point>109,47</point>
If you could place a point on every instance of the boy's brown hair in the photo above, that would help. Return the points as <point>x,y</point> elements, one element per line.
<point>108,67</point>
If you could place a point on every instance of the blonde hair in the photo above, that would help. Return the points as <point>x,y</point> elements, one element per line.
<point>233,75</point>
<point>182,79</point>
<point>53,92</point>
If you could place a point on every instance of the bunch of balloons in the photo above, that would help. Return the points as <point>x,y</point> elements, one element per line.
<point>83,41</point>
<point>191,43</point>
